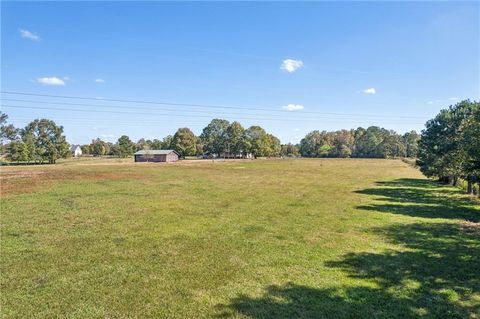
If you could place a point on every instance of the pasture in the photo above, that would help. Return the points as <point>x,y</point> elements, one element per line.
<point>319,238</point>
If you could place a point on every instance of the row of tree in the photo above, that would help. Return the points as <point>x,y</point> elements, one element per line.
<point>221,138</point>
<point>38,142</point>
<point>43,141</point>
<point>218,138</point>
<point>449,148</point>
<point>373,142</point>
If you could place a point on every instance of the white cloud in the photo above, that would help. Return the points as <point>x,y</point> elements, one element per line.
<point>454,98</point>
<point>370,91</point>
<point>290,65</point>
<point>29,35</point>
<point>53,81</point>
<point>293,107</point>
<point>99,80</point>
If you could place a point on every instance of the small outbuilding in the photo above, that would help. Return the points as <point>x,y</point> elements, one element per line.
<point>156,156</point>
<point>76,150</point>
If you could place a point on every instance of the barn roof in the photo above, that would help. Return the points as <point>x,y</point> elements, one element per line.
<point>155,152</point>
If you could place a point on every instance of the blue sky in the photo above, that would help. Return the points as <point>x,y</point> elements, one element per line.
<point>296,66</point>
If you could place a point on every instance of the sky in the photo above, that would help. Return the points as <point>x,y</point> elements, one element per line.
<point>290,67</point>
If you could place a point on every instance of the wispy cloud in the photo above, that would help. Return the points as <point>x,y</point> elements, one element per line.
<point>290,65</point>
<point>370,91</point>
<point>293,107</point>
<point>454,98</point>
<point>51,81</point>
<point>29,35</point>
<point>99,80</point>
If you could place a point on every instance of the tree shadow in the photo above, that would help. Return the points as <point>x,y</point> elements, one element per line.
<point>298,301</point>
<point>421,198</point>
<point>433,274</point>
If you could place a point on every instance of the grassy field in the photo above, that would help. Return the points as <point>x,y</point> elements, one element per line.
<point>329,238</point>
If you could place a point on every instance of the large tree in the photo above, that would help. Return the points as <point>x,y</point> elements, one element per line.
<point>185,142</point>
<point>17,151</point>
<point>342,143</point>
<point>235,138</point>
<point>214,136</point>
<point>368,143</point>
<point>273,145</point>
<point>315,144</point>
<point>411,143</point>
<point>441,153</point>
<point>125,146</point>
<point>98,147</point>
<point>50,143</point>
<point>257,141</point>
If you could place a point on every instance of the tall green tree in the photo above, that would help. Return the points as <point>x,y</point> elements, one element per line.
<point>235,138</point>
<point>50,143</point>
<point>342,143</point>
<point>17,151</point>
<point>98,147</point>
<point>214,136</point>
<point>441,153</point>
<point>411,139</point>
<point>185,142</point>
<point>368,142</point>
<point>257,141</point>
<point>315,144</point>
<point>274,145</point>
<point>125,146</point>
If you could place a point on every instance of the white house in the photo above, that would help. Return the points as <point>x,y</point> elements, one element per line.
<point>76,150</point>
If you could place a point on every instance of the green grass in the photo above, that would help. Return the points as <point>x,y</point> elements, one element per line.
<point>330,238</point>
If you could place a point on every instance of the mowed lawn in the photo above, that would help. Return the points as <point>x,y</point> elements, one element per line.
<point>320,238</point>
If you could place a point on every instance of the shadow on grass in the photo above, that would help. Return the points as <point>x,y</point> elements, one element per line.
<point>421,198</point>
<point>435,275</point>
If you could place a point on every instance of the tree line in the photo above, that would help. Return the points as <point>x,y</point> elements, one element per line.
<point>219,138</point>
<point>43,141</point>
<point>449,147</point>
<point>372,142</point>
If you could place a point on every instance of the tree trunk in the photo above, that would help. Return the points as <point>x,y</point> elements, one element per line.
<point>454,181</point>
<point>469,186</point>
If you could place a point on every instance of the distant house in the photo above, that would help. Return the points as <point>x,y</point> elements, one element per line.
<point>156,156</point>
<point>76,150</point>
